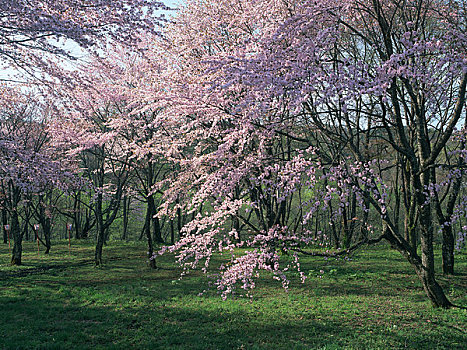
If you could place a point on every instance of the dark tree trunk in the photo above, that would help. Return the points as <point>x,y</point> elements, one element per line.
<point>143,231</point>
<point>25,232</point>
<point>410,225</point>
<point>345,227</point>
<point>45,222</point>
<point>17,238</point>
<point>99,246</point>
<point>179,222</point>
<point>4,222</point>
<point>172,232</point>
<point>410,222</point>
<point>445,222</point>
<point>448,234</point>
<point>46,226</point>
<point>105,218</point>
<point>446,229</point>
<point>126,204</point>
<point>397,195</point>
<point>152,262</point>
<point>426,270</point>
<point>152,218</point>
<point>77,216</point>
<point>100,231</point>
<point>88,225</point>
<point>353,216</point>
<point>424,267</point>
<point>448,250</point>
<point>157,230</point>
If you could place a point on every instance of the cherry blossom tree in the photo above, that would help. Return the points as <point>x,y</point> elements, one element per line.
<point>34,33</point>
<point>29,163</point>
<point>110,140</point>
<point>247,77</point>
<point>37,36</point>
<point>87,136</point>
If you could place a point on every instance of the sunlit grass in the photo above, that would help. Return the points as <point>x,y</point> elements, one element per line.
<point>374,301</point>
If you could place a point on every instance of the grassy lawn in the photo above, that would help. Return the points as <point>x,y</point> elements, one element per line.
<point>372,302</point>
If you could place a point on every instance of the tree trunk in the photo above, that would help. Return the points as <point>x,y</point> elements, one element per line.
<point>77,215</point>
<point>45,222</point>
<point>25,232</point>
<point>100,231</point>
<point>179,222</point>
<point>446,225</point>
<point>448,236</point>
<point>151,212</point>
<point>426,270</point>
<point>99,245</point>
<point>345,227</point>
<point>126,205</point>
<point>172,232</point>
<point>448,250</point>
<point>88,225</point>
<point>157,233</point>
<point>17,238</point>
<point>424,267</point>
<point>46,229</point>
<point>4,222</point>
<point>152,262</point>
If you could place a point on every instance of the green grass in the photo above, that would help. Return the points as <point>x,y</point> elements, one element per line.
<point>372,302</point>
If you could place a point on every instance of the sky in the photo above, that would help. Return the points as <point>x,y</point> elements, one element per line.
<point>10,74</point>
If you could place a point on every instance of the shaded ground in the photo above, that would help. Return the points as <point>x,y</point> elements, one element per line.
<point>371,302</point>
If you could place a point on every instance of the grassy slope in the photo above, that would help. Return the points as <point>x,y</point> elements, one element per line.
<point>374,301</point>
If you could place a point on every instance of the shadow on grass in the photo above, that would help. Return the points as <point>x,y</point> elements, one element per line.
<point>50,324</point>
<point>125,305</point>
